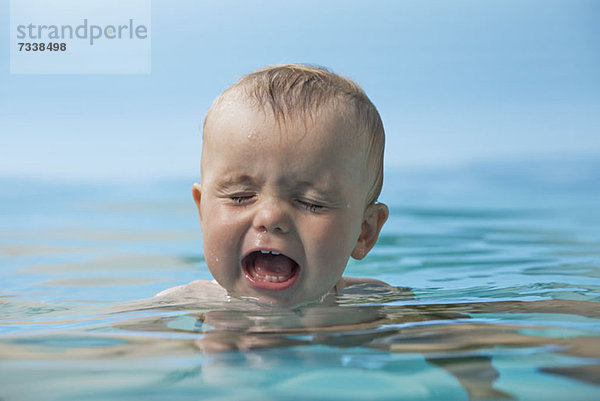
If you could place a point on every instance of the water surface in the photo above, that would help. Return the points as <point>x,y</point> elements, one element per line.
<point>497,268</point>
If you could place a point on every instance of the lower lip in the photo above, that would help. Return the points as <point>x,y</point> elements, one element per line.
<point>270,285</point>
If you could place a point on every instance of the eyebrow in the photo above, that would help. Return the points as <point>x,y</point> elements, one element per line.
<point>236,180</point>
<point>304,185</point>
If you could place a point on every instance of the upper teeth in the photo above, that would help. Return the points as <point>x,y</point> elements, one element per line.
<point>271,252</point>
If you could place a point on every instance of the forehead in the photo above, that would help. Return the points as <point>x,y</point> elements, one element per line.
<point>236,119</point>
<point>320,147</point>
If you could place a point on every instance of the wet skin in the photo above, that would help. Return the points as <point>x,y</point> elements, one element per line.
<point>295,191</point>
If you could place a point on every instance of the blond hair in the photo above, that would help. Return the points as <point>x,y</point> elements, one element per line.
<point>296,90</point>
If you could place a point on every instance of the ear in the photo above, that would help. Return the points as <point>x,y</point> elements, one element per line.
<point>197,194</point>
<point>375,215</point>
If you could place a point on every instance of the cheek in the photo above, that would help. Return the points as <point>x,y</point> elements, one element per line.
<point>219,230</point>
<point>217,220</point>
<point>333,241</point>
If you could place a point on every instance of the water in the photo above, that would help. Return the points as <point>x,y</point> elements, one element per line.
<point>502,262</point>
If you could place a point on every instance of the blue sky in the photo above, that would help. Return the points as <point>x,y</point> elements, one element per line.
<point>455,81</point>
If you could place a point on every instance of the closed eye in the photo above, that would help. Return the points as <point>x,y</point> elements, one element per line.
<point>241,199</point>
<point>310,206</point>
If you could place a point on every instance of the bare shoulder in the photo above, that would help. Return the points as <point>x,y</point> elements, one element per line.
<point>195,287</point>
<point>351,281</point>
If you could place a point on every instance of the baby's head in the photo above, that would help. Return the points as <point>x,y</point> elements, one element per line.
<point>292,165</point>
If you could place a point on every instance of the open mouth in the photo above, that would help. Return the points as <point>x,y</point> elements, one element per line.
<point>270,270</point>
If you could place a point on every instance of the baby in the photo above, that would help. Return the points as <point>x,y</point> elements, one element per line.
<point>292,165</point>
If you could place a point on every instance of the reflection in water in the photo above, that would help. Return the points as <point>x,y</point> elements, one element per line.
<point>460,338</point>
<point>446,337</point>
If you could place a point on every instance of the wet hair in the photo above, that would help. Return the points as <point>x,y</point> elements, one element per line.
<point>297,90</point>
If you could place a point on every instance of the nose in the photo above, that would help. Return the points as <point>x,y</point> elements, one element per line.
<point>271,216</point>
